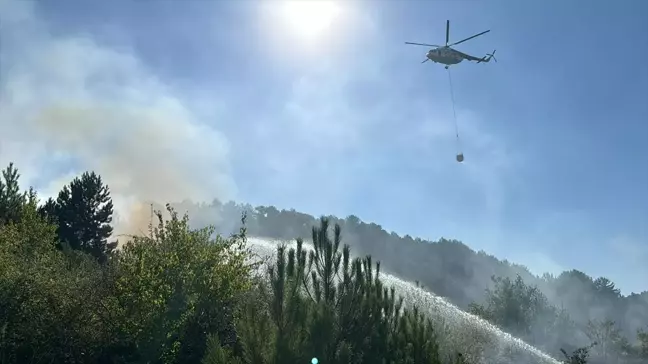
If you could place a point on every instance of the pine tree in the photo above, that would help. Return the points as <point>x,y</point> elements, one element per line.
<point>323,304</point>
<point>216,354</point>
<point>11,199</point>
<point>83,213</point>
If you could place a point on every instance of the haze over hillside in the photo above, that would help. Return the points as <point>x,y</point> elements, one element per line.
<point>252,120</point>
<point>325,111</point>
<point>448,267</point>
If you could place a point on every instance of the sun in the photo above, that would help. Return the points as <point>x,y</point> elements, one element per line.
<point>310,18</point>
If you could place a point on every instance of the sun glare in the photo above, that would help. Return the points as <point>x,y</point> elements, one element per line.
<point>310,18</point>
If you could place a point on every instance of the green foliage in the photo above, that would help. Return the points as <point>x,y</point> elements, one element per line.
<point>12,201</point>
<point>174,288</point>
<point>606,288</point>
<point>579,356</point>
<point>157,301</point>
<point>83,213</point>
<point>184,295</point>
<point>525,311</point>
<point>323,303</point>
<point>452,270</point>
<point>46,309</point>
<point>217,354</point>
<point>513,305</point>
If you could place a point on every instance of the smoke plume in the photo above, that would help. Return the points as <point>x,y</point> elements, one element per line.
<point>69,104</point>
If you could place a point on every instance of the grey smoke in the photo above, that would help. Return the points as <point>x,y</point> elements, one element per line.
<point>69,104</point>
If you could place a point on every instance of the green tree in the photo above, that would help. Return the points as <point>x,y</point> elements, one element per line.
<point>12,200</point>
<point>323,303</point>
<point>182,295</point>
<point>512,305</point>
<point>47,310</point>
<point>451,269</point>
<point>177,287</point>
<point>83,213</point>
<point>215,353</point>
<point>608,338</point>
<point>606,288</point>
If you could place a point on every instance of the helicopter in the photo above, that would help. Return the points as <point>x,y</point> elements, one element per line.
<point>449,56</point>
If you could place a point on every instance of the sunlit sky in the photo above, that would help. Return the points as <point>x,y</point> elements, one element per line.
<point>326,111</point>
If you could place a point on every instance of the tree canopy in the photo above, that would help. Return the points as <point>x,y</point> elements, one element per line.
<point>184,294</point>
<point>82,213</point>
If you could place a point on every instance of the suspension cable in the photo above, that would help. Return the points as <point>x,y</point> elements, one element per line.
<point>454,113</point>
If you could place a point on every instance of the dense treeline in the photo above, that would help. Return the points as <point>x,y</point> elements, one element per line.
<point>571,310</point>
<point>448,267</point>
<point>525,312</point>
<point>68,295</point>
<point>184,296</point>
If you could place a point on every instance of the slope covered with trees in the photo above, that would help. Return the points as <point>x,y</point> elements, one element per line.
<point>185,295</point>
<point>569,309</point>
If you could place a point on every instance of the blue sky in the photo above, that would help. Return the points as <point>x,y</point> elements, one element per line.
<point>242,106</point>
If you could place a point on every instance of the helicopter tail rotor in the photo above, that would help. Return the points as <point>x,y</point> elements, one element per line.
<point>487,58</point>
<point>492,55</point>
<point>447,32</point>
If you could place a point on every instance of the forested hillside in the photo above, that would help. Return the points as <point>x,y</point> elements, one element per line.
<point>447,267</point>
<point>177,294</point>
<point>593,308</point>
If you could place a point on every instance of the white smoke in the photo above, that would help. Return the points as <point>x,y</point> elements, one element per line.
<point>69,104</point>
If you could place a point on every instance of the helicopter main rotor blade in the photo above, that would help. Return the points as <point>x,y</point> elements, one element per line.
<point>469,38</point>
<point>447,32</point>
<point>423,44</point>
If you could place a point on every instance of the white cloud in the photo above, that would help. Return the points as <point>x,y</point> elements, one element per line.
<point>67,97</point>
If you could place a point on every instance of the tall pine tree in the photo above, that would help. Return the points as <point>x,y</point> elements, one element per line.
<point>83,212</point>
<point>11,199</point>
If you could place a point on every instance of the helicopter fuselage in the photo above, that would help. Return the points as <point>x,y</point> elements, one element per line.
<point>444,55</point>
